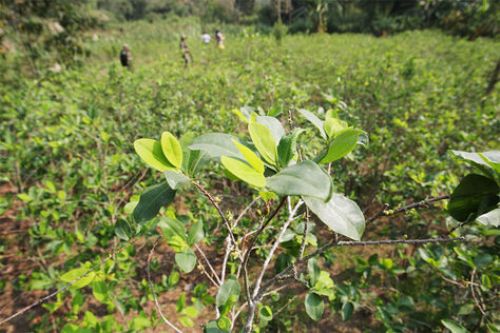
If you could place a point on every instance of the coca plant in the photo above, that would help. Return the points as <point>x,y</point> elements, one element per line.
<point>294,180</point>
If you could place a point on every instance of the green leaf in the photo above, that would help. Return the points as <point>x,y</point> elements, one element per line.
<point>123,230</point>
<point>313,270</point>
<point>453,326</point>
<point>287,148</point>
<point>314,306</point>
<point>243,171</point>
<point>347,310</point>
<point>343,144</point>
<point>151,201</point>
<point>474,196</point>
<point>176,180</point>
<point>492,218</point>
<point>274,125</point>
<point>79,277</point>
<point>196,233</point>
<point>172,149</point>
<point>224,323</point>
<point>211,327</point>
<point>230,290</point>
<point>263,140</point>
<point>151,153</point>
<point>250,157</point>
<point>100,291</point>
<point>340,214</point>
<point>265,313</point>
<point>333,126</point>
<point>305,178</point>
<point>486,161</point>
<point>216,145</point>
<point>193,160</point>
<point>311,117</point>
<point>324,285</point>
<point>186,260</point>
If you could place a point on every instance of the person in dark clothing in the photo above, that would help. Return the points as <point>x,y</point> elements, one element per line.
<point>126,57</point>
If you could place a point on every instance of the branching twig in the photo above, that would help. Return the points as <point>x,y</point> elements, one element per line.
<point>208,264</point>
<point>245,210</point>
<point>219,210</point>
<point>406,208</point>
<point>151,287</point>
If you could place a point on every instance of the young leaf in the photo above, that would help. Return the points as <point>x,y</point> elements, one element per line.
<point>243,171</point>
<point>151,153</point>
<point>311,117</point>
<point>265,313</point>
<point>305,178</point>
<point>263,140</point>
<point>151,201</point>
<point>340,214</point>
<point>474,196</point>
<point>79,277</point>
<point>230,289</point>
<point>343,144</point>
<point>334,126</point>
<point>171,149</point>
<point>196,233</point>
<point>313,270</point>
<point>186,260</point>
<point>314,306</point>
<point>250,157</point>
<point>287,147</point>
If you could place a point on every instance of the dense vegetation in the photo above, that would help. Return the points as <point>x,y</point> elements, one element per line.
<point>71,178</point>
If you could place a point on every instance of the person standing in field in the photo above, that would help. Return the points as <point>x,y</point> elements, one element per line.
<point>206,38</point>
<point>126,57</point>
<point>219,39</point>
<point>186,54</point>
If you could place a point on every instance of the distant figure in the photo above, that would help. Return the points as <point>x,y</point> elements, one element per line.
<point>126,56</point>
<point>219,39</point>
<point>206,38</point>
<point>186,54</point>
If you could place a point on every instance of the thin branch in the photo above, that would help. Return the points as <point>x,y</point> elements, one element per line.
<point>151,287</point>
<point>288,272</point>
<point>245,210</point>
<point>478,303</point>
<point>219,210</point>
<point>304,235</point>
<point>275,246</point>
<point>404,209</point>
<point>208,264</point>
<point>229,248</point>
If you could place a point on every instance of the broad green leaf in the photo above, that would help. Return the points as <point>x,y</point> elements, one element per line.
<point>474,196</point>
<point>304,178</point>
<point>453,326</point>
<point>347,309</point>
<point>243,171</point>
<point>314,306</point>
<point>343,144</point>
<point>324,285</point>
<point>216,145</point>
<point>274,125</point>
<point>489,160</point>
<point>313,119</point>
<point>172,227</point>
<point>263,140</point>
<point>186,260</point>
<point>100,291</point>
<point>230,289</point>
<point>79,277</point>
<point>333,126</point>
<point>151,153</point>
<point>196,233</point>
<point>176,180</point>
<point>193,160</point>
<point>171,149</point>
<point>123,230</point>
<point>340,214</point>
<point>250,157</point>
<point>492,218</point>
<point>151,201</point>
